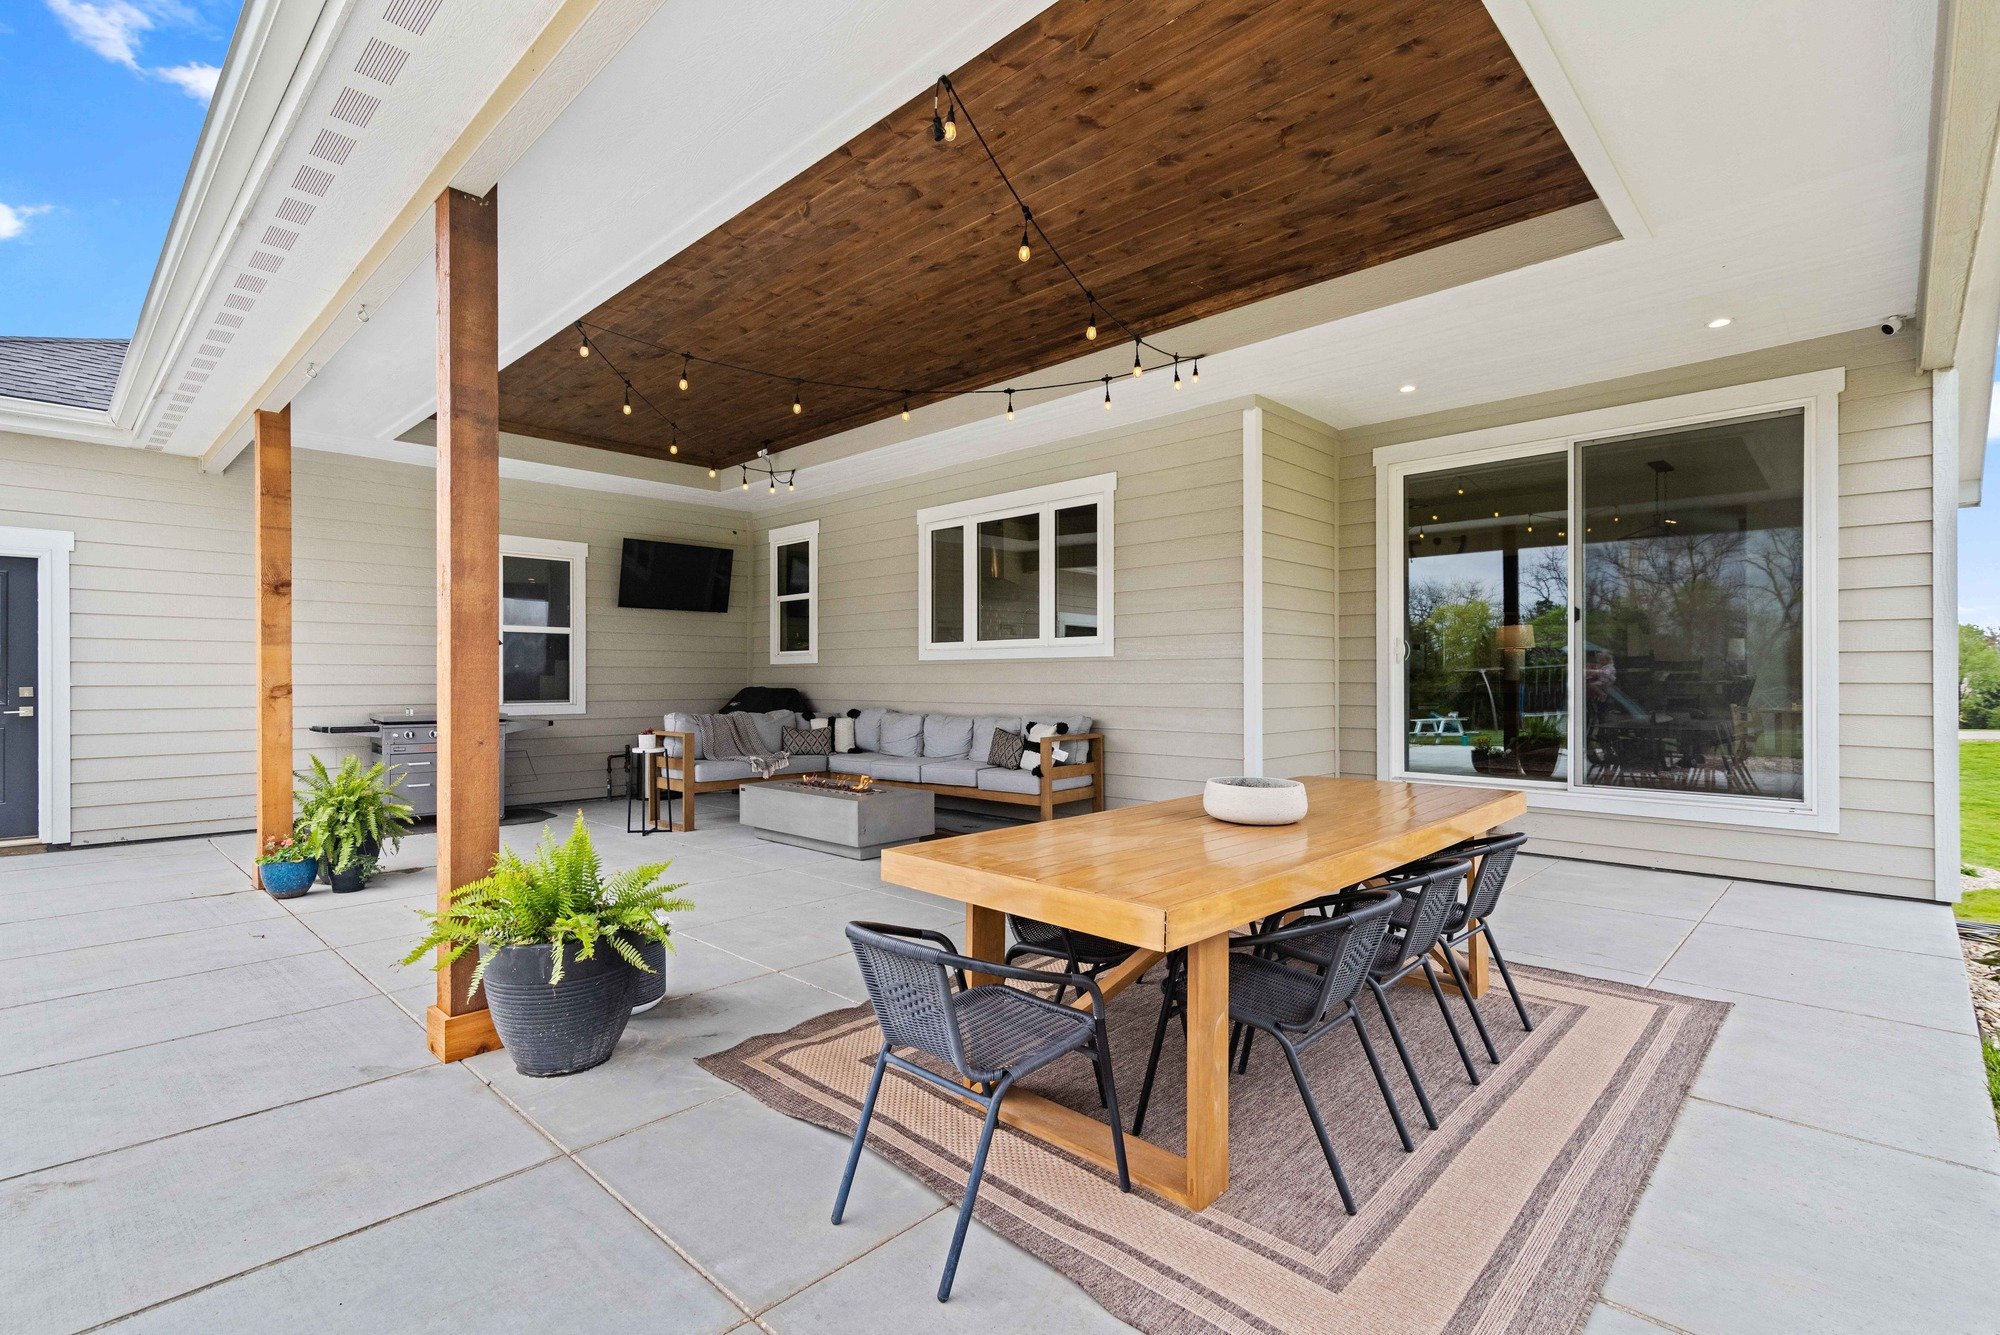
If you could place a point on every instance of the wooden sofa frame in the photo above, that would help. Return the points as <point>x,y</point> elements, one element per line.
<point>676,778</point>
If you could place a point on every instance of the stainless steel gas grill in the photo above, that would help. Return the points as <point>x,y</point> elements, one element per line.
<point>405,740</point>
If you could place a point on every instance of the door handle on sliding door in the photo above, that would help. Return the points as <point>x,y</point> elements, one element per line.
<point>25,711</point>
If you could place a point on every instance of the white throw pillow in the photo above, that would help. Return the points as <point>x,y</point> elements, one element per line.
<point>842,728</point>
<point>1031,750</point>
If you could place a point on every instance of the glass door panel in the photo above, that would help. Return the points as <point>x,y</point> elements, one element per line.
<point>1486,580</point>
<point>1693,629</point>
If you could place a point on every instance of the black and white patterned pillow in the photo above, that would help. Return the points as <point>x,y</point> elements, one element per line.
<point>809,741</point>
<point>842,728</point>
<point>1006,749</point>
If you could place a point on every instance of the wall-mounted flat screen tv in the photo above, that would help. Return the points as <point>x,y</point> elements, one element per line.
<point>674,576</point>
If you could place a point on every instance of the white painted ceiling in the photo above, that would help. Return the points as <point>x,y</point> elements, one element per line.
<point>1767,158</point>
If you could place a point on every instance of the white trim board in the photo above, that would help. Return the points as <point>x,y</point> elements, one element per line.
<point>51,550</point>
<point>1253,592</point>
<point>790,535</point>
<point>1817,395</point>
<point>1945,445</point>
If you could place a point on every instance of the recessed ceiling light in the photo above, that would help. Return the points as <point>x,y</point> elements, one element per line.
<point>1408,389</point>
<point>1718,322</point>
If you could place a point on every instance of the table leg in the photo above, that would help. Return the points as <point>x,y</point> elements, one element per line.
<point>1207,1070</point>
<point>985,939</point>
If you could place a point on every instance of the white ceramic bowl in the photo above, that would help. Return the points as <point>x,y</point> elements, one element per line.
<point>1242,800</point>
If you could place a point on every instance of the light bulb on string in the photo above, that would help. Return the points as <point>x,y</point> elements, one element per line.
<point>950,124</point>
<point>746,479</point>
<point>1107,394</point>
<point>1027,220</point>
<point>1195,374</point>
<point>773,488</point>
<point>1137,369</point>
<point>628,400</point>
<point>797,407</point>
<point>1090,330</point>
<point>1177,373</point>
<point>674,445</point>
<point>711,471</point>
<point>1010,405</point>
<point>906,407</point>
<point>937,121</point>
<point>685,359</point>
<point>790,485</point>
<point>583,347</point>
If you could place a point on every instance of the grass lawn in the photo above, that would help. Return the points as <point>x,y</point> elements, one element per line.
<point>1979,815</point>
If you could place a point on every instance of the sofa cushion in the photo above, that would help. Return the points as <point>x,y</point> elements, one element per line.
<point>902,734</point>
<point>963,773</point>
<point>895,769</point>
<point>721,771</point>
<point>868,729</point>
<point>947,736</point>
<point>983,728</point>
<point>678,722</point>
<point>771,728</point>
<point>852,762</point>
<point>994,779</point>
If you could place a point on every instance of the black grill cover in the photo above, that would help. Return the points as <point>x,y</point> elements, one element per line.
<point>764,699</point>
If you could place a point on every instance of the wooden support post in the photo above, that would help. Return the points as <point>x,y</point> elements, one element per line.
<point>274,623</point>
<point>468,588</point>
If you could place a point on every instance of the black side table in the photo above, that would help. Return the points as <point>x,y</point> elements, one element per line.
<point>648,777</point>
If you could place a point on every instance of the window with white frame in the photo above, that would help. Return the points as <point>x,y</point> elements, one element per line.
<point>1630,610</point>
<point>1024,575</point>
<point>541,625</point>
<point>794,569</point>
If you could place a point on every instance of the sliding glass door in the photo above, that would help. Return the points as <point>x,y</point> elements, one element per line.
<point>1486,625</point>
<point>1625,615</point>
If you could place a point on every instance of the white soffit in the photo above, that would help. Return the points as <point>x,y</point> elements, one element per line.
<point>1771,160</point>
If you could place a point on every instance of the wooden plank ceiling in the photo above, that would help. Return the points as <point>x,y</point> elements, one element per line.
<point>1188,156</point>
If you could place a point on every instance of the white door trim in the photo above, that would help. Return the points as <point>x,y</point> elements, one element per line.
<point>51,549</point>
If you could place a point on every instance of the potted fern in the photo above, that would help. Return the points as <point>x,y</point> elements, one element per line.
<point>347,816</point>
<point>561,945</point>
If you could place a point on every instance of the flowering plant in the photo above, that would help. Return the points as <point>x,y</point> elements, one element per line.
<point>285,849</point>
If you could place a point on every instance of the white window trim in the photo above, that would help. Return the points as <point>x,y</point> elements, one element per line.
<point>576,553</point>
<point>1045,501</point>
<point>1817,395</point>
<point>808,533</point>
<point>51,550</point>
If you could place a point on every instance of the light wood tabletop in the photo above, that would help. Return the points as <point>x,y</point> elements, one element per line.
<point>1165,876</point>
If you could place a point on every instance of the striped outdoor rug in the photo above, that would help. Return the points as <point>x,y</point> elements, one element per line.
<point>1505,1219</point>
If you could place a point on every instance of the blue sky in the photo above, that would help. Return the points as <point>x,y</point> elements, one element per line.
<point>1979,546</point>
<point>101,102</point>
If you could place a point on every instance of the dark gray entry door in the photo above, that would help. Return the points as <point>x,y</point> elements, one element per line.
<point>20,702</point>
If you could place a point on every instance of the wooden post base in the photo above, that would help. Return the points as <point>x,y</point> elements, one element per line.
<point>455,1037</point>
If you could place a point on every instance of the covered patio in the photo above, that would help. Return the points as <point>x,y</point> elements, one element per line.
<point>278,1115</point>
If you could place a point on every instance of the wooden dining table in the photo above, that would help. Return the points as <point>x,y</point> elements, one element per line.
<point>1165,876</point>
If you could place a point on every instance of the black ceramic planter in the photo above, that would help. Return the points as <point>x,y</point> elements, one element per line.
<point>562,1029</point>
<point>347,882</point>
<point>649,989</point>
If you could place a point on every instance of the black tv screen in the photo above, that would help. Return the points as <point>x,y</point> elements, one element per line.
<point>674,577</point>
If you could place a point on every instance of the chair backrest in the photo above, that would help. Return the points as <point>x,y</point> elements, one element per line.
<point>1347,941</point>
<point>909,985</point>
<point>1495,855</point>
<point>1432,891</point>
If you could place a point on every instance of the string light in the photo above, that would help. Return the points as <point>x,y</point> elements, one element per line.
<point>937,121</point>
<point>686,357</point>
<point>583,348</point>
<point>950,124</point>
<point>711,470</point>
<point>628,400</point>
<point>1107,394</point>
<point>674,445</point>
<point>1195,375</point>
<point>746,478</point>
<point>1090,330</point>
<point>797,407</point>
<point>1010,405</point>
<point>1137,369</point>
<point>1027,221</point>
<point>1177,374</point>
<point>906,407</point>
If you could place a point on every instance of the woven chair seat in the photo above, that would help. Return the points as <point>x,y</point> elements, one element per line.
<point>1005,1029</point>
<point>1050,940</point>
<point>1264,991</point>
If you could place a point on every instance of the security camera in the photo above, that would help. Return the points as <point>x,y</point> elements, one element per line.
<point>1893,325</point>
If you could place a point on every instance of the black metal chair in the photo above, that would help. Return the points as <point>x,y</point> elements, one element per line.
<point>991,1036</point>
<point>1083,953</point>
<point>1426,893</point>
<point>1494,855</point>
<point>1297,1007</point>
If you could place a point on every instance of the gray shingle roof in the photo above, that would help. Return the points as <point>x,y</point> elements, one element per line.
<point>79,372</point>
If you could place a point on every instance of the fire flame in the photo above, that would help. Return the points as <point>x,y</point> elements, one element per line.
<point>846,783</point>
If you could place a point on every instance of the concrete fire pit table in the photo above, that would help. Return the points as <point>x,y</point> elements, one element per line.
<point>834,820</point>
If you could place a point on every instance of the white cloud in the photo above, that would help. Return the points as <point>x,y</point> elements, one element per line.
<point>194,79</point>
<point>14,218</point>
<point>111,28</point>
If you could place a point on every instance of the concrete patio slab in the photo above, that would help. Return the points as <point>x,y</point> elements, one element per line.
<point>1635,890</point>
<point>42,936</point>
<point>96,968</point>
<point>555,1253</point>
<point>1634,943</point>
<point>748,1192</point>
<point>90,1241</point>
<point>1751,1224</point>
<point>801,933</point>
<point>1860,920</point>
<point>1888,984</point>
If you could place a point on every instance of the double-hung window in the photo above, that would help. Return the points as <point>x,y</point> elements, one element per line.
<point>1630,610</point>
<point>1024,575</point>
<point>794,566</point>
<point>541,625</point>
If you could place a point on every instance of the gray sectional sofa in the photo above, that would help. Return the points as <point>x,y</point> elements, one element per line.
<point>945,753</point>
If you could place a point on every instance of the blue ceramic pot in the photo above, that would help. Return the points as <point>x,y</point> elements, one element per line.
<point>287,880</point>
